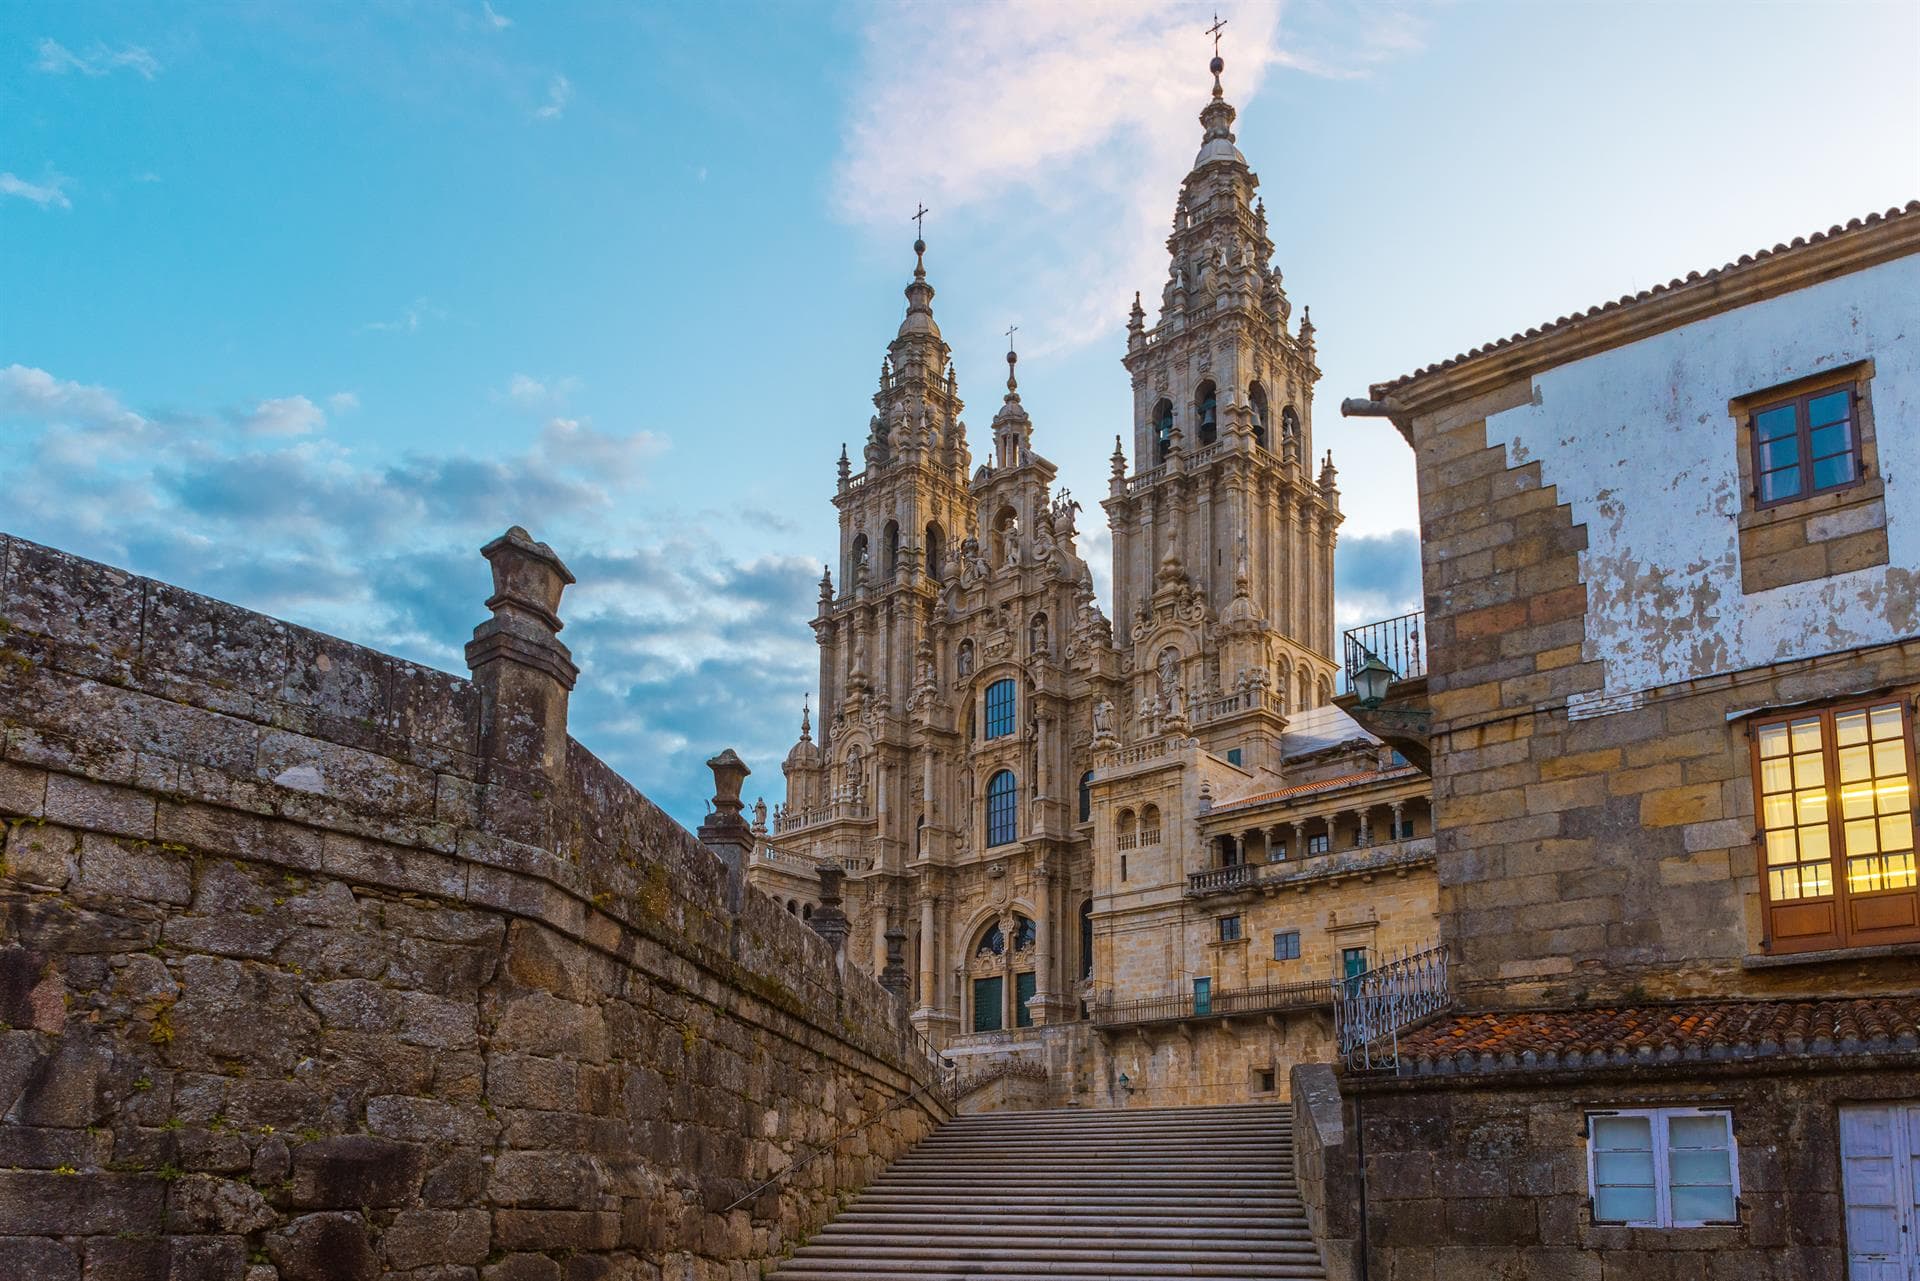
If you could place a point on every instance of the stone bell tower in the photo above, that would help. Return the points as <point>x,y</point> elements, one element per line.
<point>1223,528</point>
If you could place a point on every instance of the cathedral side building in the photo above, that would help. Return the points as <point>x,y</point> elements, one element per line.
<point>1131,855</point>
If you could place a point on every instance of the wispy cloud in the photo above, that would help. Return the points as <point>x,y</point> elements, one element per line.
<point>1376,576</point>
<point>55,59</point>
<point>343,402</point>
<point>1062,108</point>
<point>559,94</point>
<point>411,317</point>
<point>682,649</point>
<point>285,416</point>
<point>48,193</point>
<point>538,393</point>
<point>497,21</point>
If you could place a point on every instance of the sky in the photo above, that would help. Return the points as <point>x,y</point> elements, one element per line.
<point>301,304</point>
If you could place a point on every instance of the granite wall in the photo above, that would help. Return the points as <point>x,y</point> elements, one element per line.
<point>317,965</point>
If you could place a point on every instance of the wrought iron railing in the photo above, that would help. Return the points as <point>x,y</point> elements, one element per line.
<point>1370,1010</point>
<point>1220,1002</point>
<point>1400,643</point>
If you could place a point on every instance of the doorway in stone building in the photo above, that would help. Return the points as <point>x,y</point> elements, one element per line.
<point>1879,1170</point>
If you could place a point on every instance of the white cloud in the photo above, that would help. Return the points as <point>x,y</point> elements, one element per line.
<point>147,175</point>
<point>26,392</point>
<point>285,416</point>
<point>497,21</point>
<point>1071,106</point>
<point>408,321</point>
<point>534,393</point>
<point>48,193</point>
<point>343,402</point>
<point>57,60</point>
<point>559,94</point>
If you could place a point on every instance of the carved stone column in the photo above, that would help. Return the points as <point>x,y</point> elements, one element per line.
<point>1366,830</point>
<point>929,960</point>
<point>1397,807</point>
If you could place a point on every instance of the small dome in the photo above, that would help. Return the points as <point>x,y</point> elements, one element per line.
<point>805,755</point>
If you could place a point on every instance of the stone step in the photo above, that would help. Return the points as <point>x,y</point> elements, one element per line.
<point>1078,1195</point>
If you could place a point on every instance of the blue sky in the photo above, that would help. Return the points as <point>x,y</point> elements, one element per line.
<point>301,304</point>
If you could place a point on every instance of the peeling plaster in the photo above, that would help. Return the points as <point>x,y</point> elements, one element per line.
<point>1640,445</point>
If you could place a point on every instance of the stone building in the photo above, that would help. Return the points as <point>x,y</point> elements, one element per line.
<point>1135,852</point>
<point>1669,549</point>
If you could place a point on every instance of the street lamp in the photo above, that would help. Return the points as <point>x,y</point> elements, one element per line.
<point>1371,679</point>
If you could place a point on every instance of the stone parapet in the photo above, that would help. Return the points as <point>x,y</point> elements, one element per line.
<point>288,975</point>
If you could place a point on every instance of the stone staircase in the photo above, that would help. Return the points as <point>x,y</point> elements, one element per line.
<point>1175,1192</point>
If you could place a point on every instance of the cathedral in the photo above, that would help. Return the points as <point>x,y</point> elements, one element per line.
<point>1123,861</point>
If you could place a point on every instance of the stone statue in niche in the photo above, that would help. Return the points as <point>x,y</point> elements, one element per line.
<point>1103,719</point>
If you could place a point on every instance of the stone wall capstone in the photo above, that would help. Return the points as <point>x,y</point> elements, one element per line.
<point>319,964</point>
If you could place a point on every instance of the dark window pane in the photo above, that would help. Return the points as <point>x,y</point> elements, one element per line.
<point>1829,440</point>
<point>999,709</point>
<point>1002,809</point>
<point>1829,408</point>
<point>986,1005</point>
<point>1780,453</point>
<point>1828,472</point>
<point>1024,986</point>
<point>1774,422</point>
<point>1781,484</point>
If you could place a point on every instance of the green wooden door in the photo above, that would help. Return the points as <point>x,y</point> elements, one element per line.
<point>1023,990</point>
<point>1202,997</point>
<point>987,1016</point>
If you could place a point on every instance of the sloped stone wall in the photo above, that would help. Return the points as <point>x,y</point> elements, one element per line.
<point>310,968</point>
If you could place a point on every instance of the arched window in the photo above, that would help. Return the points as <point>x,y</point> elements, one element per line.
<point>1306,690</point>
<point>1150,825</point>
<point>857,558</point>
<point>1127,829</point>
<point>992,942</point>
<point>1257,400</point>
<point>1003,809</point>
<point>1206,414</point>
<point>806,911</point>
<point>1290,433</point>
<point>1000,708</point>
<point>892,543</point>
<point>936,551</point>
<point>1086,939</point>
<point>793,908</point>
<point>1162,430</point>
<point>1037,634</point>
<point>1086,797</point>
<point>1025,933</point>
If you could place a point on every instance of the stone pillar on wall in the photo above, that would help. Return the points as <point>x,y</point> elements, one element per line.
<point>523,675</point>
<point>893,974</point>
<point>830,919</point>
<point>929,960</point>
<point>523,672</point>
<point>725,830</point>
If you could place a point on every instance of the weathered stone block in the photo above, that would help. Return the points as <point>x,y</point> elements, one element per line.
<point>206,1203</point>
<point>99,807</point>
<point>33,1203</point>
<point>548,1180</point>
<point>356,1170</point>
<point>324,1247</point>
<point>417,1238</point>
<point>38,1259</point>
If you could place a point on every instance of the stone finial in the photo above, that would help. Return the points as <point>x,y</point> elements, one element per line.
<point>521,669</point>
<point>829,921</point>
<point>893,975</point>
<point>729,772</point>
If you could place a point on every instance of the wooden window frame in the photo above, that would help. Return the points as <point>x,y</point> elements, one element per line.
<point>1001,710</point>
<point>1843,928</point>
<point>1011,811</point>
<point>1292,950</point>
<point>1658,1123</point>
<point>1229,928</point>
<point>1856,379</point>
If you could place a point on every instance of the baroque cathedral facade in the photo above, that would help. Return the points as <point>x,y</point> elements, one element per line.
<point>1079,830</point>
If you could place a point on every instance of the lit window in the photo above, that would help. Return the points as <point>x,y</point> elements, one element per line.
<point>1003,809</point>
<point>1807,445</point>
<point>1000,709</point>
<point>1229,929</point>
<point>1662,1167</point>
<point>1286,945</point>
<point>1835,790</point>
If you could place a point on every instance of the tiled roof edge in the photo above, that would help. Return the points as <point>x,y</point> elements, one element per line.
<point>1910,210</point>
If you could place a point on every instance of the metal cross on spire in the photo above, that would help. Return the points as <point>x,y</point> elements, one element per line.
<point>1011,330</point>
<point>1214,31</point>
<point>919,220</point>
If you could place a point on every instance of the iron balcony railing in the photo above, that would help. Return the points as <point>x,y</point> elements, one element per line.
<point>1219,1003</point>
<point>1370,1010</point>
<point>1400,643</point>
<point>1363,860</point>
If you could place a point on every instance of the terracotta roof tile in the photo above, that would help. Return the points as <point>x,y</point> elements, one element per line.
<point>1911,209</point>
<point>1323,785</point>
<point>1688,1031</point>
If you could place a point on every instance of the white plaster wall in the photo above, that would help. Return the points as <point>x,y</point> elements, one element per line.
<point>1639,442</point>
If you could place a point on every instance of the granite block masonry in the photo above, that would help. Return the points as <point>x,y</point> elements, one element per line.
<point>319,964</point>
